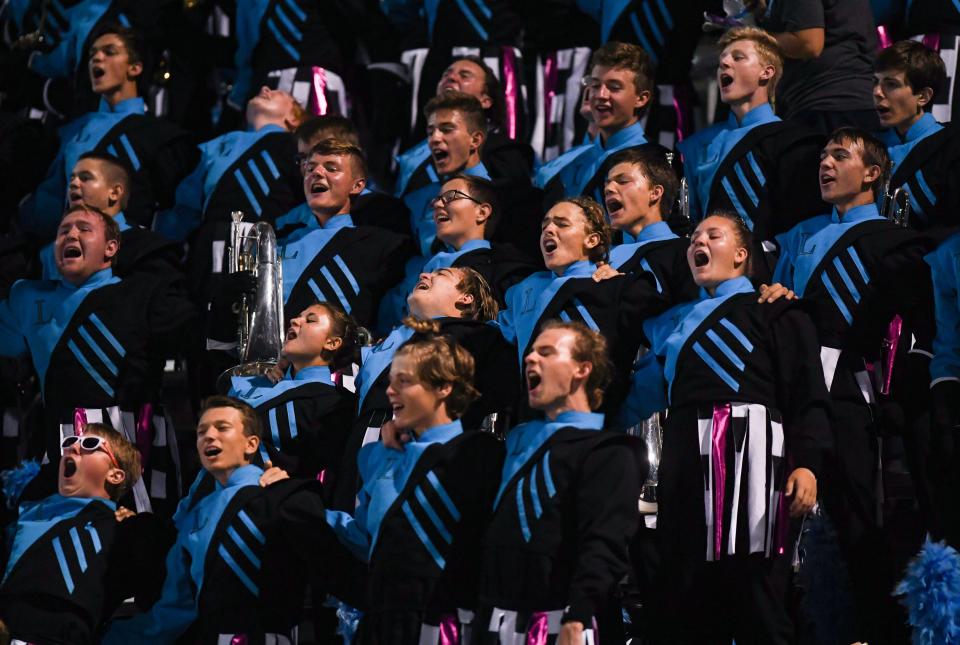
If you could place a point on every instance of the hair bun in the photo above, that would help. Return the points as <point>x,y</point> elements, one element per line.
<point>428,328</point>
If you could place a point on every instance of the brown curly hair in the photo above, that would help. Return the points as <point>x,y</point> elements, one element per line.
<point>441,361</point>
<point>590,347</point>
<point>596,223</point>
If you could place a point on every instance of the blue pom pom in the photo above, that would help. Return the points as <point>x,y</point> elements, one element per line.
<point>348,619</point>
<point>932,595</point>
<point>15,480</point>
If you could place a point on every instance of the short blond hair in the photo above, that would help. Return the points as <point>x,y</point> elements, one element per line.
<point>767,49</point>
<point>126,454</point>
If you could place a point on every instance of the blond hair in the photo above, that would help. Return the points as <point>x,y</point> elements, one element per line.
<point>441,361</point>
<point>768,50</point>
<point>126,454</point>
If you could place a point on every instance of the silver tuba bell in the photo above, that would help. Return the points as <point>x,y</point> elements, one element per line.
<point>650,433</point>
<point>896,206</point>
<point>683,197</point>
<point>260,329</point>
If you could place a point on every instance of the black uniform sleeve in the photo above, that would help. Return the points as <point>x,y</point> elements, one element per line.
<point>796,194</point>
<point>607,518</point>
<point>801,390</point>
<point>136,564</point>
<point>639,301</point>
<point>307,534</point>
<point>171,316</point>
<point>171,163</point>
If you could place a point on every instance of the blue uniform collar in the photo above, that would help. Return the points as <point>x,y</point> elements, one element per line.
<point>757,116</point>
<point>470,245</point>
<point>266,129</point>
<point>924,127</point>
<point>314,373</point>
<point>581,420</point>
<point>652,233</point>
<point>729,288</point>
<point>343,220</point>
<point>477,171</point>
<point>121,222</point>
<point>579,269</point>
<point>441,433</point>
<point>128,106</point>
<point>620,138</point>
<point>98,279</point>
<point>248,475</point>
<point>857,214</point>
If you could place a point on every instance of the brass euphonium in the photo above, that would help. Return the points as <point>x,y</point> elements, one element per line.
<point>896,206</point>
<point>260,329</point>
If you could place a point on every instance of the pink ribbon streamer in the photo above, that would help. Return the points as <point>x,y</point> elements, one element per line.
<point>883,35</point>
<point>449,630</point>
<point>319,91</point>
<point>539,630</point>
<point>888,353</point>
<point>510,89</point>
<point>932,41</point>
<point>79,421</point>
<point>144,431</point>
<point>718,439</point>
<point>549,93</point>
<point>239,639</point>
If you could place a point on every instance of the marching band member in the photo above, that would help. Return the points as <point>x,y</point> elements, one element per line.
<point>925,154</point>
<point>754,163</point>
<point>76,556</point>
<point>331,259</point>
<point>575,237</point>
<point>98,344</point>
<point>747,430</point>
<point>505,158</point>
<point>620,86</point>
<point>858,270</point>
<point>422,510</point>
<point>158,151</point>
<point>240,564</point>
<point>466,214</point>
<point>461,301</point>
<point>639,191</point>
<point>566,506</point>
<point>102,181</point>
<point>456,131</point>
<point>308,416</point>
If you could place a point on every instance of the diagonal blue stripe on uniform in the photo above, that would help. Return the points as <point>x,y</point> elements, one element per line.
<point>244,578</point>
<point>128,148</point>
<point>112,150</point>
<point>587,318</point>
<point>253,527</point>
<point>755,167</point>
<point>432,514</point>
<point>649,269</point>
<point>522,512</point>
<point>291,419</point>
<point>922,182</point>
<point>62,561</point>
<point>484,9</point>
<point>264,186</point>
<point>90,370</point>
<point>739,335</point>
<point>348,274</point>
<point>723,347</point>
<point>96,349</point>
<point>444,497</point>
<point>325,272</point>
<point>652,22</point>
<point>836,298</point>
<point>106,334</point>
<point>78,547</point>
<point>564,316</point>
<point>547,476</point>
<point>667,18</point>
<point>638,30</point>
<point>852,252</point>
<point>245,187</point>
<point>292,28</point>
<point>283,42</point>
<point>731,193</point>
<point>738,168</point>
<point>293,6</point>
<point>274,427</point>
<point>847,280</point>
<point>716,367</point>
<point>472,19</point>
<point>272,167</point>
<point>95,536</point>
<point>424,538</point>
<point>246,550</point>
<point>535,494</point>
<point>316,290</point>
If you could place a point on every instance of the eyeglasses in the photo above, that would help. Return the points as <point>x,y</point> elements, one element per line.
<point>591,83</point>
<point>454,195</point>
<point>90,443</point>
